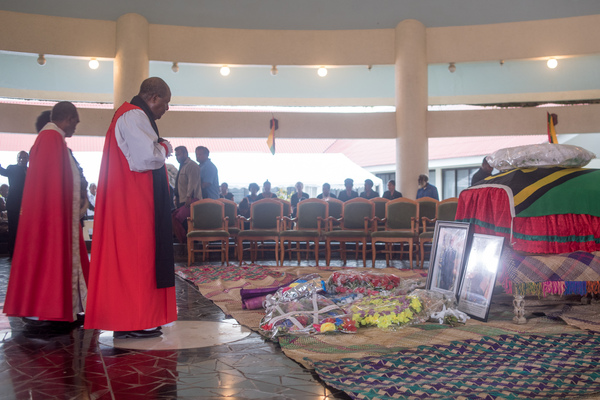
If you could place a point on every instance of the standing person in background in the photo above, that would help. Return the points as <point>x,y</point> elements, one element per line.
<point>326,195</point>
<point>348,193</point>
<point>50,264</point>
<point>392,193</point>
<point>369,193</point>
<point>186,185</point>
<point>92,200</point>
<point>16,179</point>
<point>225,192</point>
<point>132,273</point>
<point>209,175</point>
<point>298,197</point>
<point>425,189</point>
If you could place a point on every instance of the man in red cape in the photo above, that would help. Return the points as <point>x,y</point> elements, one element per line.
<point>132,278</point>
<point>50,261</point>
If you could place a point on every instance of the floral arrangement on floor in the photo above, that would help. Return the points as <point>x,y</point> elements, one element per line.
<point>389,312</point>
<point>305,315</point>
<point>367,283</point>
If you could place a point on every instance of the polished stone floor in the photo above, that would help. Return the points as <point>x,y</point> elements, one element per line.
<point>78,365</point>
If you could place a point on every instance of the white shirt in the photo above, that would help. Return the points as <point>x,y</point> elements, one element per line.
<point>138,142</point>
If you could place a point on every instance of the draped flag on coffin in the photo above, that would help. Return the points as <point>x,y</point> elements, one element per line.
<point>545,191</point>
<point>539,210</point>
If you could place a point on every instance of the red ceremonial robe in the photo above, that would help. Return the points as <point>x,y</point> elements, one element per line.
<point>123,294</point>
<point>41,277</point>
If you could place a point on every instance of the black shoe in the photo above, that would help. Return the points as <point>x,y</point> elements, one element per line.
<point>137,334</point>
<point>40,326</point>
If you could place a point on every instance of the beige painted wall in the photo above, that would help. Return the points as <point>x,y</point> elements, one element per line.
<point>87,38</point>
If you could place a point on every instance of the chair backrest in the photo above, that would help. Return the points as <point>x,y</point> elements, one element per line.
<point>427,208</point>
<point>380,203</point>
<point>447,209</point>
<point>207,215</point>
<point>264,213</point>
<point>231,211</point>
<point>335,208</point>
<point>355,211</point>
<point>309,211</point>
<point>287,207</point>
<point>399,213</point>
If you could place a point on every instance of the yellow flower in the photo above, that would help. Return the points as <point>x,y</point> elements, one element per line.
<point>416,304</point>
<point>327,326</point>
<point>402,318</point>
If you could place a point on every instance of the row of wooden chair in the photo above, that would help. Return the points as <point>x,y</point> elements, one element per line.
<point>359,221</point>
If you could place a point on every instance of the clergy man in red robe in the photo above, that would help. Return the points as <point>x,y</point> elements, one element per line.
<point>50,261</point>
<point>132,278</point>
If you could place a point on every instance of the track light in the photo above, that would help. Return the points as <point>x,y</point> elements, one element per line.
<point>94,64</point>
<point>41,60</point>
<point>175,67</point>
<point>322,71</point>
<point>225,71</point>
<point>452,68</point>
<point>274,70</point>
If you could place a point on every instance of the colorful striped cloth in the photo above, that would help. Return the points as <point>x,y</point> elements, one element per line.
<point>538,210</point>
<point>560,274</point>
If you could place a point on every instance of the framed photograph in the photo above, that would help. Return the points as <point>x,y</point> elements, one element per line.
<point>479,276</point>
<point>449,246</point>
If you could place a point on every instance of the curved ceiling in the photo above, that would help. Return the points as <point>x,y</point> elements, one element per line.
<point>311,14</point>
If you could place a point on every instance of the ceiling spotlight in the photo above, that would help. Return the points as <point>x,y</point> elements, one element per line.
<point>274,70</point>
<point>552,63</point>
<point>94,64</point>
<point>451,67</point>
<point>175,67</point>
<point>322,71</point>
<point>41,60</point>
<point>501,62</point>
<point>225,71</point>
<point>369,67</point>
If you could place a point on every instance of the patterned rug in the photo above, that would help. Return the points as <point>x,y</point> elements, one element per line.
<point>502,367</point>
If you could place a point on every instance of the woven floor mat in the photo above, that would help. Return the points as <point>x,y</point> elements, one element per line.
<point>502,367</point>
<point>222,285</point>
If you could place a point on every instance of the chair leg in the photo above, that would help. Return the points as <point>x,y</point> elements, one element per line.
<point>190,246</point>
<point>240,247</point>
<point>317,251</point>
<point>373,252</point>
<point>410,253</point>
<point>327,252</point>
<point>364,253</point>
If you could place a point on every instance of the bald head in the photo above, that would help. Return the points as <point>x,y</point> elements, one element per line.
<point>156,93</point>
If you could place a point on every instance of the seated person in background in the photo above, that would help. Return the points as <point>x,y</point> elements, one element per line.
<point>266,193</point>
<point>369,193</point>
<point>425,189</point>
<point>348,193</point>
<point>392,193</point>
<point>298,197</point>
<point>225,192</point>
<point>326,195</point>
<point>244,207</point>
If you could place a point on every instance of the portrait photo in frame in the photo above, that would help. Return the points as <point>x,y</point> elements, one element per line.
<point>449,246</point>
<point>479,276</point>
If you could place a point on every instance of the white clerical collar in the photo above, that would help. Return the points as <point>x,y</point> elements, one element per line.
<point>52,126</point>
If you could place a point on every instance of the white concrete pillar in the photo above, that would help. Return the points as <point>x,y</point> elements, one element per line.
<point>411,106</point>
<point>131,64</point>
